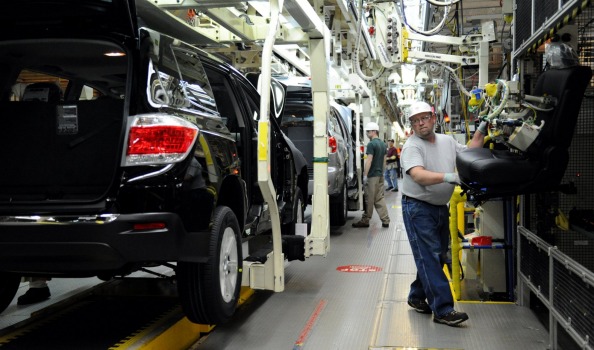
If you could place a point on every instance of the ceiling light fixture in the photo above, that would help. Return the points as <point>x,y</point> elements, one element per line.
<point>114,54</point>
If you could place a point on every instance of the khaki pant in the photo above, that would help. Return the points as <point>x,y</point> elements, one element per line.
<point>375,198</point>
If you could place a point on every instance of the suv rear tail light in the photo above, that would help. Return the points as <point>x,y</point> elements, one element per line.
<point>149,226</point>
<point>159,139</point>
<point>332,144</point>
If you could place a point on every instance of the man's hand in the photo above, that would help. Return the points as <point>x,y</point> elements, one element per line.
<point>482,128</point>
<point>451,178</point>
<point>393,157</point>
<point>364,180</point>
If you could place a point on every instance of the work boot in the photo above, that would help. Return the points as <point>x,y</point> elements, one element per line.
<point>453,318</point>
<point>361,223</point>
<point>386,224</point>
<point>34,295</point>
<point>420,306</point>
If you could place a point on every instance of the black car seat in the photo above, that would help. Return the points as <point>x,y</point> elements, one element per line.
<point>487,173</point>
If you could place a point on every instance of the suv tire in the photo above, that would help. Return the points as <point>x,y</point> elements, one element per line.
<point>9,284</point>
<point>209,291</point>
<point>339,208</point>
<point>298,213</point>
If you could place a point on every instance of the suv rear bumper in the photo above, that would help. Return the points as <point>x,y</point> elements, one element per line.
<point>89,245</point>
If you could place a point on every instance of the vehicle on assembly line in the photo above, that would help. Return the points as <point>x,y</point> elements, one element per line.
<point>297,123</point>
<point>147,158</point>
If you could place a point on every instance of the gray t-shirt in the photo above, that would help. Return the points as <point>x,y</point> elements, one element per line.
<point>437,157</point>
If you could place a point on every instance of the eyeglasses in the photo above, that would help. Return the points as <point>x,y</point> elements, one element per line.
<point>417,121</point>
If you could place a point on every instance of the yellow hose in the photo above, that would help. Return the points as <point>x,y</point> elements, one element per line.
<point>456,205</point>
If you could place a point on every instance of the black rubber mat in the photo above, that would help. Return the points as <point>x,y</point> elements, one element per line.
<point>90,324</point>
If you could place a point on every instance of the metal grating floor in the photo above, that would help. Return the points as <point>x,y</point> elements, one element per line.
<point>322,308</point>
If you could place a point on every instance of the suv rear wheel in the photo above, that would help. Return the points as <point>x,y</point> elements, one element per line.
<point>9,284</point>
<point>209,291</point>
<point>298,212</point>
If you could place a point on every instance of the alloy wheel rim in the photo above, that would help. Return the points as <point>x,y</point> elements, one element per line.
<point>299,211</point>
<point>228,265</point>
<point>345,200</point>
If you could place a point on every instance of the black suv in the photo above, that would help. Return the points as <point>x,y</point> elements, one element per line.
<point>141,152</point>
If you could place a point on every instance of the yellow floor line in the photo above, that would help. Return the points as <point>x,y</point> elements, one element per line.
<point>185,333</point>
<point>244,295</point>
<point>407,348</point>
<point>179,336</point>
<point>485,302</point>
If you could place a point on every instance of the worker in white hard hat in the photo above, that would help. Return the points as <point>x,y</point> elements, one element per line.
<point>373,178</point>
<point>428,163</point>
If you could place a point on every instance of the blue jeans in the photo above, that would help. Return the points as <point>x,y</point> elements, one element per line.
<point>391,177</point>
<point>428,232</point>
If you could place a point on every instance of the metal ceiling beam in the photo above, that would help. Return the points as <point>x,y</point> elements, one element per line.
<point>481,4</point>
<point>164,22</point>
<point>236,25</point>
<point>198,4</point>
<point>293,61</point>
<point>306,17</point>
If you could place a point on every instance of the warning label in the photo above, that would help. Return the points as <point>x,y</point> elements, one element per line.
<point>358,268</point>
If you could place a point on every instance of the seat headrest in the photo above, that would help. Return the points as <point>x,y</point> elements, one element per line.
<point>44,92</point>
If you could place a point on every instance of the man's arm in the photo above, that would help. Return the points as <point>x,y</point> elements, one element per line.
<point>479,136</point>
<point>391,153</point>
<point>425,177</point>
<point>368,161</point>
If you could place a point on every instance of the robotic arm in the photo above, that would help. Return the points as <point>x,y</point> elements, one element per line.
<point>511,115</point>
<point>396,43</point>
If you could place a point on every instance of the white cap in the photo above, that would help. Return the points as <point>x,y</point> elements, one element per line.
<point>371,126</point>
<point>419,107</point>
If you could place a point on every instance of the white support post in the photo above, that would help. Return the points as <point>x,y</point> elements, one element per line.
<point>483,64</point>
<point>358,136</point>
<point>318,241</point>
<point>264,179</point>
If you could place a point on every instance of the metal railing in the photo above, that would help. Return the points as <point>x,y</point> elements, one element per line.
<point>564,286</point>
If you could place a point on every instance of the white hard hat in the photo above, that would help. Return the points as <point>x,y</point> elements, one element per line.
<point>419,107</point>
<point>371,126</point>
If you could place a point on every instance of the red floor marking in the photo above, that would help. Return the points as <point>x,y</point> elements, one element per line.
<point>309,325</point>
<point>358,268</point>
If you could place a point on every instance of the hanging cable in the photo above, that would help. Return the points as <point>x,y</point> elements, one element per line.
<point>533,107</point>
<point>452,71</point>
<point>503,84</point>
<point>433,31</point>
<point>358,47</point>
<point>442,3</point>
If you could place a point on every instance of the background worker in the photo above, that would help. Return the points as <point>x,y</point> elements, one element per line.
<point>428,162</point>
<point>373,178</point>
<point>398,166</point>
<point>391,174</point>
